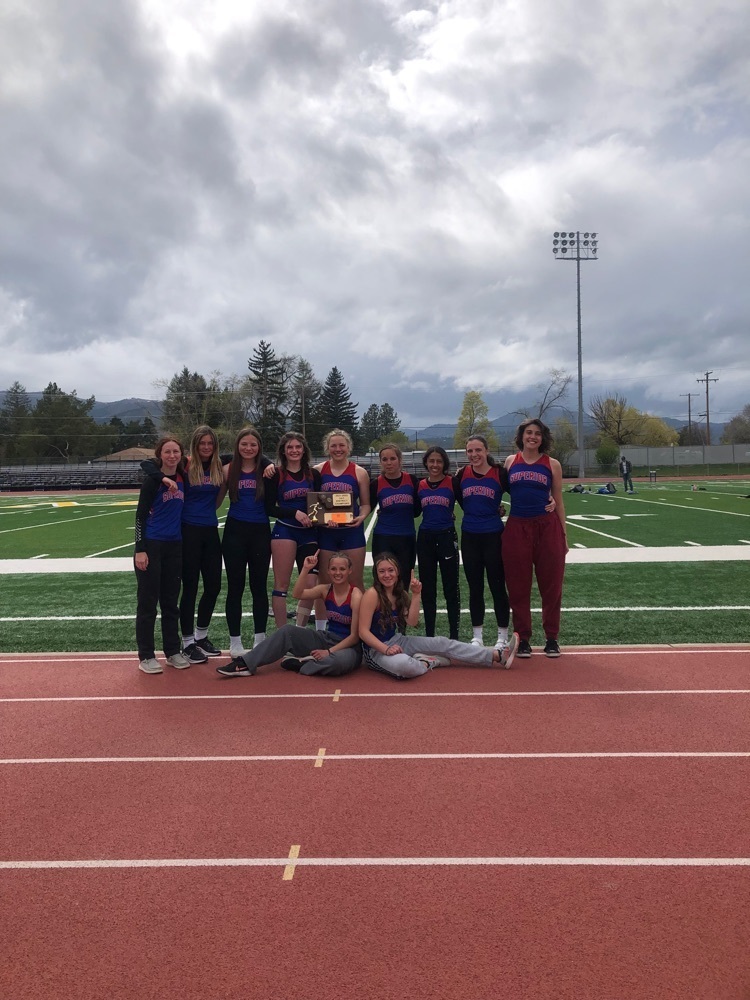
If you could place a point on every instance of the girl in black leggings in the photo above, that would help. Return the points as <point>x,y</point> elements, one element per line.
<point>437,544</point>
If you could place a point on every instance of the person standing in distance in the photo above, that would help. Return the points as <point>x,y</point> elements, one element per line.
<point>626,469</point>
<point>535,537</point>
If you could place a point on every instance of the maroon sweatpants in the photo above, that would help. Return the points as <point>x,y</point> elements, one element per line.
<point>538,544</point>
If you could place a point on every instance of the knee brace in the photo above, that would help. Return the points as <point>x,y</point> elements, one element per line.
<point>278,593</point>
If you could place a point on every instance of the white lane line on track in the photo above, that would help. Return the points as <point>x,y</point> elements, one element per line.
<point>379,694</point>
<point>288,758</point>
<point>301,862</point>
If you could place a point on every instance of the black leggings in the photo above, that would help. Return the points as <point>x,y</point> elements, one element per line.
<point>439,548</point>
<point>403,547</point>
<point>247,550</point>
<point>201,557</point>
<point>482,553</point>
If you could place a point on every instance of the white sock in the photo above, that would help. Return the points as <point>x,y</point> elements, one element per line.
<point>477,630</point>
<point>187,640</point>
<point>320,626</point>
<point>201,633</point>
<point>235,646</point>
<point>502,635</point>
<point>258,638</point>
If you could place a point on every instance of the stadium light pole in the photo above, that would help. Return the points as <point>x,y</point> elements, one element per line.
<point>577,246</point>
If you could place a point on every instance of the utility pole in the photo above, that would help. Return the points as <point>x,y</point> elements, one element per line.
<point>706,379</point>
<point>690,421</point>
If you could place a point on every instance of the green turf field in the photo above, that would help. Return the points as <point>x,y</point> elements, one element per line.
<point>609,602</point>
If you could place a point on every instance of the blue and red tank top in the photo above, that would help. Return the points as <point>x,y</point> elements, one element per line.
<point>530,486</point>
<point>164,521</point>
<point>480,497</point>
<point>384,630</point>
<point>437,502</point>
<point>200,500</point>
<point>247,507</point>
<point>292,494</point>
<point>339,615</point>
<point>347,482</point>
<point>396,506</point>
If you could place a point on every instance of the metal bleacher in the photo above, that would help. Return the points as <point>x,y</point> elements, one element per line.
<point>71,476</point>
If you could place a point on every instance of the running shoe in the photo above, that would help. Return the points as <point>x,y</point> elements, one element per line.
<point>194,653</point>
<point>208,647</point>
<point>291,662</point>
<point>523,652</point>
<point>237,668</point>
<point>508,652</point>
<point>551,648</point>
<point>476,642</point>
<point>150,666</point>
<point>433,660</point>
<point>179,661</point>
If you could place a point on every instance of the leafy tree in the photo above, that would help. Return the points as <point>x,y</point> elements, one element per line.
<point>336,408</point>
<point>737,431</point>
<point>474,419</point>
<point>606,455</point>
<point>655,433</point>
<point>692,434</point>
<point>379,423</point>
<point>615,420</point>
<point>15,424</point>
<point>64,427</point>
<point>190,400</point>
<point>305,395</point>
<point>395,437</point>
<point>564,441</point>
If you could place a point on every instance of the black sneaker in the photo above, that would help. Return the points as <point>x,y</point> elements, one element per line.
<point>291,662</point>
<point>208,647</point>
<point>523,652</point>
<point>194,654</point>
<point>551,648</point>
<point>237,668</point>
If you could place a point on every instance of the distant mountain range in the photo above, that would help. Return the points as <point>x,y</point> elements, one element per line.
<point>125,409</point>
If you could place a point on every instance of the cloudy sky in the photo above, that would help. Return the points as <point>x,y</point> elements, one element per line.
<point>374,184</point>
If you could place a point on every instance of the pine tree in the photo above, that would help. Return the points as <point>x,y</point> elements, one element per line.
<point>336,408</point>
<point>190,400</point>
<point>15,424</point>
<point>306,390</point>
<point>268,382</point>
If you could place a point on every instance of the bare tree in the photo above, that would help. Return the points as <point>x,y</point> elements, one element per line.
<point>550,393</point>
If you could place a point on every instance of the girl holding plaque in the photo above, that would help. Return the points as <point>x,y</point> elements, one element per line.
<point>340,475</point>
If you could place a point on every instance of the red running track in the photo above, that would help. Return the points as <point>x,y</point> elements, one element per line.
<point>525,929</point>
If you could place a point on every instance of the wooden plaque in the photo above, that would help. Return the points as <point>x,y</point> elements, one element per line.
<point>330,508</point>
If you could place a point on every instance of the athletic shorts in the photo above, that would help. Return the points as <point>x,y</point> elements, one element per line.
<point>337,539</point>
<point>302,536</point>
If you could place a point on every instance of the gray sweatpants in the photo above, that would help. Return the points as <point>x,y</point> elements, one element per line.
<point>301,642</point>
<point>404,664</point>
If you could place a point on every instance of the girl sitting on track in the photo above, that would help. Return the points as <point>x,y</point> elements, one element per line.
<point>535,537</point>
<point>394,492</point>
<point>331,653</point>
<point>158,560</point>
<point>294,536</point>
<point>437,544</point>
<point>201,545</point>
<point>385,612</point>
<point>246,544</point>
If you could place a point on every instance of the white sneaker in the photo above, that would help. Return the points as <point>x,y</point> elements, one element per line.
<point>432,660</point>
<point>179,661</point>
<point>150,666</point>
<point>508,651</point>
<point>476,642</point>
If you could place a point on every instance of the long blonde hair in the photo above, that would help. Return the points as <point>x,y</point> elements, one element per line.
<point>195,462</point>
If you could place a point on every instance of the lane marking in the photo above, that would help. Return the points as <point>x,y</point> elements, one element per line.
<point>680,506</point>
<point>499,862</point>
<point>69,520</point>
<point>42,555</point>
<point>379,694</point>
<point>337,694</point>
<point>697,544</point>
<point>321,755</point>
<point>614,538</point>
<point>289,868</point>
<point>116,548</point>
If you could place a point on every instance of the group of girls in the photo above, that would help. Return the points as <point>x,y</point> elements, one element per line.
<point>330,560</point>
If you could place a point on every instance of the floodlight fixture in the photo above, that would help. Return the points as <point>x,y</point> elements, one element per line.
<point>577,247</point>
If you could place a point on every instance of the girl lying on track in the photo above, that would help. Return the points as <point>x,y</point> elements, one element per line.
<point>328,653</point>
<point>385,612</point>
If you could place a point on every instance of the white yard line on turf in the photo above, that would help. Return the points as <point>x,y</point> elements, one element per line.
<point>662,501</point>
<point>67,520</point>
<point>383,862</point>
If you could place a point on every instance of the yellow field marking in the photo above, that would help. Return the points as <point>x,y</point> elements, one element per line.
<point>321,756</point>
<point>66,503</point>
<point>289,869</point>
<point>337,694</point>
